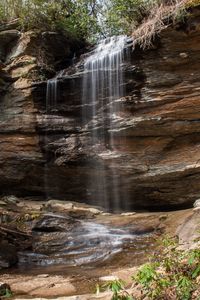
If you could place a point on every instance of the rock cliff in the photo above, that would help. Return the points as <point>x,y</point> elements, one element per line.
<point>157,159</point>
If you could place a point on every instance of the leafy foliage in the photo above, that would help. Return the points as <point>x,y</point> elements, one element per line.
<point>117,289</point>
<point>145,19</point>
<point>95,18</point>
<point>76,17</point>
<point>123,16</point>
<point>7,293</point>
<point>174,275</point>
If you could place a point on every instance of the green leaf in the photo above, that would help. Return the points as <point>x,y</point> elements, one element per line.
<point>196,272</point>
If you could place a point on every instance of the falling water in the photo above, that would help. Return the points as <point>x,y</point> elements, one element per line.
<point>51,96</point>
<point>52,91</point>
<point>102,87</point>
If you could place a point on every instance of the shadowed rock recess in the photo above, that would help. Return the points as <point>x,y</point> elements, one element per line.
<point>156,156</point>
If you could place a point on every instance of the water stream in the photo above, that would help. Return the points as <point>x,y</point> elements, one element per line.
<point>88,243</point>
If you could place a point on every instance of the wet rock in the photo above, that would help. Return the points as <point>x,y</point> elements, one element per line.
<point>8,255</point>
<point>11,199</point>
<point>54,223</point>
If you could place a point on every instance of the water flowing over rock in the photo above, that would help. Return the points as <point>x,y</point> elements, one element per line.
<point>52,91</point>
<point>146,139</point>
<point>86,243</point>
<point>102,88</point>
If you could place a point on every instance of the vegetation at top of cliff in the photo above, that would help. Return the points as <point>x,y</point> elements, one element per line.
<point>145,19</point>
<point>76,17</point>
<point>91,19</point>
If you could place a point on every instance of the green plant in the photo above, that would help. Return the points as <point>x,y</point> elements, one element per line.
<point>173,275</point>
<point>77,18</point>
<point>91,19</point>
<point>7,293</point>
<point>117,288</point>
<point>146,274</point>
<point>184,287</point>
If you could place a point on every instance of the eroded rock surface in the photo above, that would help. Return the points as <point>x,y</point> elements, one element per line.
<point>62,256</point>
<point>33,235</point>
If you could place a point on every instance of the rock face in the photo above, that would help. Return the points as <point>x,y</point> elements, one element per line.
<point>156,162</point>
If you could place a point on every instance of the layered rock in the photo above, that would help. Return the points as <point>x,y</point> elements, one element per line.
<point>26,59</point>
<point>156,161</point>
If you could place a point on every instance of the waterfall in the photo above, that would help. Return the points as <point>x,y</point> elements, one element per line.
<point>51,95</point>
<point>102,88</point>
<point>52,91</point>
<point>102,93</point>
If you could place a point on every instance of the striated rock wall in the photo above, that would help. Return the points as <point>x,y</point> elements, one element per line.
<point>26,58</point>
<point>156,163</point>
